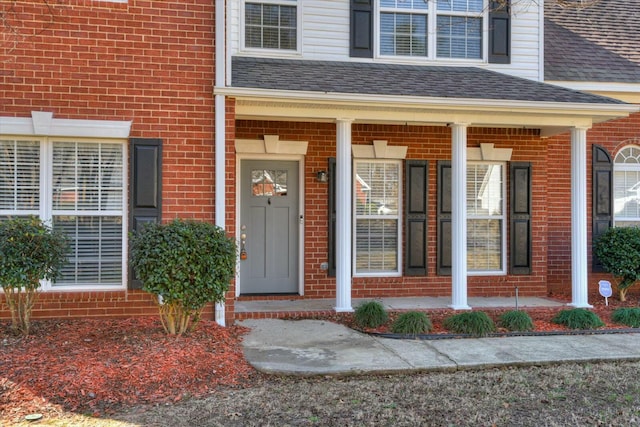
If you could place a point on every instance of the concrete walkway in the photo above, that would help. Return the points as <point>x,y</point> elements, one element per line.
<point>313,347</point>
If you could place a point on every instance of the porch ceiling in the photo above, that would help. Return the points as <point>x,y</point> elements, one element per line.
<point>378,93</point>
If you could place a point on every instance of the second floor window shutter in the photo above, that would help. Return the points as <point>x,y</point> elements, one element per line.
<point>146,188</point>
<point>361,43</point>
<point>500,32</point>
<point>602,177</point>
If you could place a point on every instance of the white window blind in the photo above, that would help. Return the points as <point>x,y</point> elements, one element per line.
<point>87,193</point>
<point>19,177</point>
<point>271,25</point>
<point>485,217</point>
<point>377,222</point>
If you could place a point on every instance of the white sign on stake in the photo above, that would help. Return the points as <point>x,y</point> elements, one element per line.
<point>605,290</point>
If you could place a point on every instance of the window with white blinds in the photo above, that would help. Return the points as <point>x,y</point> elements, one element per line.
<point>19,177</point>
<point>79,188</point>
<point>271,24</point>
<point>485,217</point>
<point>626,187</point>
<point>405,26</point>
<point>377,190</point>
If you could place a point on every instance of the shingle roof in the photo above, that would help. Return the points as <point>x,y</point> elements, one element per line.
<point>398,80</point>
<point>597,43</point>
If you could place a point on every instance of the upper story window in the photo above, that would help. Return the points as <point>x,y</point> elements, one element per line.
<point>408,27</point>
<point>271,24</point>
<point>626,187</point>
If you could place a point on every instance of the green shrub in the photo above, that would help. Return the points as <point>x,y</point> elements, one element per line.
<point>578,318</point>
<point>476,323</point>
<point>516,320</point>
<point>412,322</point>
<point>186,264</point>
<point>30,251</point>
<point>370,314</point>
<point>618,249</point>
<point>627,316</point>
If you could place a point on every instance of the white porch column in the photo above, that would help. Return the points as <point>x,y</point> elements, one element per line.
<point>343,215</point>
<point>579,270</point>
<point>459,216</point>
<point>220,134</point>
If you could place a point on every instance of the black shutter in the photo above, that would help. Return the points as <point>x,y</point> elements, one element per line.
<point>331,272</point>
<point>361,29</point>
<point>417,180</point>
<point>602,177</point>
<point>520,218</point>
<point>444,218</point>
<point>499,32</point>
<point>146,188</point>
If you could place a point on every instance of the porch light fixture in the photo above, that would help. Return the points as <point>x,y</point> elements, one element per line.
<point>322,176</point>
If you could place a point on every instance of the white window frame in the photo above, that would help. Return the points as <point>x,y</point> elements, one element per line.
<point>625,167</point>
<point>268,51</point>
<point>432,36</point>
<point>398,217</point>
<point>503,218</point>
<point>45,129</point>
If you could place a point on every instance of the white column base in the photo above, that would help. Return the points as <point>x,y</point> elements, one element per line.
<point>219,313</point>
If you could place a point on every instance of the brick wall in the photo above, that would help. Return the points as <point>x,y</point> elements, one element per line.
<point>430,143</point>
<point>150,62</point>
<point>612,135</point>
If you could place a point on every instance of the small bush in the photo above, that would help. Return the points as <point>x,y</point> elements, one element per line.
<point>186,264</point>
<point>30,251</point>
<point>516,321</point>
<point>578,318</point>
<point>412,322</point>
<point>370,314</point>
<point>627,316</point>
<point>476,323</point>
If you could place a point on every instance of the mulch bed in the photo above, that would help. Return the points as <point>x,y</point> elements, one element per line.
<point>541,316</point>
<point>94,366</point>
<point>97,366</point>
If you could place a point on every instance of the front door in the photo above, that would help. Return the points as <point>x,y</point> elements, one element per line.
<point>269,218</point>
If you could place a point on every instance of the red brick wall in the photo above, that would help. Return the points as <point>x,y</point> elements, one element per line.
<point>430,143</point>
<point>612,135</point>
<point>150,62</point>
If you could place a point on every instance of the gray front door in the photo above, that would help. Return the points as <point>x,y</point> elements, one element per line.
<point>269,219</point>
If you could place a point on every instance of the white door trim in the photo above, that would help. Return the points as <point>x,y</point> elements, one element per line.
<point>301,199</point>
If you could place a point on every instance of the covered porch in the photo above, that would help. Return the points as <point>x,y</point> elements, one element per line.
<point>457,98</point>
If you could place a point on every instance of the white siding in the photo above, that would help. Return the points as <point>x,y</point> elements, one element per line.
<point>325,28</point>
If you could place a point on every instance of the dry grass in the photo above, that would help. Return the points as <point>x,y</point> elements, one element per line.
<point>560,395</point>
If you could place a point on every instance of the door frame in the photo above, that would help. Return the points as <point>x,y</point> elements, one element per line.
<point>301,201</point>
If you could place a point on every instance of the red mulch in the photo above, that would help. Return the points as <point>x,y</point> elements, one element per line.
<point>96,365</point>
<point>541,316</point>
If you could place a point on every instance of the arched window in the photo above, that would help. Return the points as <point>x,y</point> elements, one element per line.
<point>626,187</point>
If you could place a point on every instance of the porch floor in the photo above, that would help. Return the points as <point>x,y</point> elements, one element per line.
<point>255,309</point>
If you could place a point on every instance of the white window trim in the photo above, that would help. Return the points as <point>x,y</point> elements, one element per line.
<point>432,18</point>
<point>624,167</point>
<point>44,128</point>
<point>276,53</point>
<point>399,218</point>
<point>503,218</point>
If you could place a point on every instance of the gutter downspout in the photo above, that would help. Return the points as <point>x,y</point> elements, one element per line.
<point>220,132</point>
